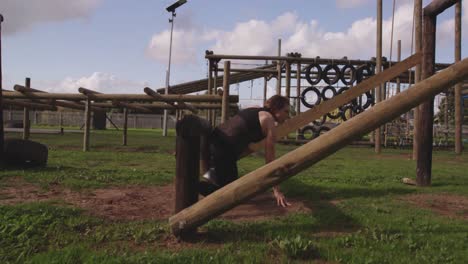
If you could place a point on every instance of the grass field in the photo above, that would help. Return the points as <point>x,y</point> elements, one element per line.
<point>360,212</point>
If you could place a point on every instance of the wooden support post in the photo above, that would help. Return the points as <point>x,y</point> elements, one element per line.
<point>225,104</point>
<point>288,79</point>
<point>398,90</point>
<point>278,68</point>
<point>210,86</point>
<point>87,124</point>
<point>417,72</point>
<point>26,121</point>
<point>424,161</point>
<point>214,92</point>
<point>265,87</point>
<point>378,67</point>
<point>458,86</point>
<point>189,130</point>
<point>305,156</point>
<point>125,125</point>
<point>298,95</point>
<point>61,122</point>
<point>2,134</point>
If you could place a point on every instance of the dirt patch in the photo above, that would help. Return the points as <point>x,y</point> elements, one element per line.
<point>137,202</point>
<point>453,206</point>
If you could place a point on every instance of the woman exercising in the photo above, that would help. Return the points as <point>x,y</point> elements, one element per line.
<point>229,140</point>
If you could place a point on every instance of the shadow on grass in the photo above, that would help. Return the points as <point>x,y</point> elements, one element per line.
<point>325,218</point>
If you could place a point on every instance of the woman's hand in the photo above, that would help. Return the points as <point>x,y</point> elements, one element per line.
<point>280,198</point>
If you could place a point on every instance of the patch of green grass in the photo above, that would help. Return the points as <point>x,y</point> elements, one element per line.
<point>357,201</point>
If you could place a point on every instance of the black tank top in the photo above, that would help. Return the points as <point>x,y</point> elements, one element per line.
<point>239,131</point>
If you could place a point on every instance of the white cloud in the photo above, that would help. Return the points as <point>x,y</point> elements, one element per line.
<point>97,81</point>
<point>21,15</point>
<point>350,3</point>
<point>184,44</point>
<point>310,38</point>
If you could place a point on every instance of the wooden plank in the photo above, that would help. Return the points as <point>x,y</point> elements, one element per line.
<point>341,99</point>
<point>177,105</point>
<point>305,156</point>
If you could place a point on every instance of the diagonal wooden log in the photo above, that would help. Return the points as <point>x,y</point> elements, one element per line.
<point>179,104</point>
<point>341,99</point>
<point>116,103</point>
<point>305,156</point>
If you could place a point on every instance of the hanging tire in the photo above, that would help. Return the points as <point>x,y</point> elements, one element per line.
<point>304,98</point>
<point>346,112</point>
<point>369,100</point>
<point>308,130</point>
<point>337,74</point>
<point>363,72</point>
<point>308,73</point>
<point>352,74</point>
<point>320,121</point>
<point>325,90</point>
<point>322,130</point>
<point>25,153</point>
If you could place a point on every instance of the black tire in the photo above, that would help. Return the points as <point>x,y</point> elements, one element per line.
<point>320,121</point>
<point>337,74</point>
<point>306,130</point>
<point>311,89</point>
<point>346,109</point>
<point>308,73</point>
<point>363,72</point>
<point>352,78</point>
<point>25,153</point>
<point>325,90</point>
<point>369,100</point>
<point>322,130</point>
<point>13,124</point>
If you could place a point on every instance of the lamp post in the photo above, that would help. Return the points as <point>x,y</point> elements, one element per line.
<point>172,8</point>
<point>1,87</point>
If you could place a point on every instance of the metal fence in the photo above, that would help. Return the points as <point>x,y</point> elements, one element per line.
<point>77,119</point>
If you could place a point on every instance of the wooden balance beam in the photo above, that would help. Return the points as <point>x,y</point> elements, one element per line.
<point>305,156</point>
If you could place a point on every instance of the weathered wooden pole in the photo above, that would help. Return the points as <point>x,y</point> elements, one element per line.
<point>189,131</point>
<point>305,156</point>
<point>398,90</point>
<point>278,68</point>
<point>458,86</point>
<point>288,79</point>
<point>26,121</point>
<point>417,72</point>
<point>265,86</point>
<point>214,92</point>
<point>298,95</point>
<point>61,122</point>
<point>87,127</point>
<point>378,67</point>
<point>2,135</point>
<point>210,85</point>
<point>424,161</point>
<point>225,104</point>
<point>125,126</point>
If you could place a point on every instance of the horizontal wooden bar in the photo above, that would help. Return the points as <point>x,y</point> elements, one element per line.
<point>121,97</point>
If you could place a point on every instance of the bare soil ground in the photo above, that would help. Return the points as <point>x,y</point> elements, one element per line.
<point>136,202</point>
<point>449,205</point>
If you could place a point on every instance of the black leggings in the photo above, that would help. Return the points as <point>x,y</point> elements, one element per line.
<point>224,162</point>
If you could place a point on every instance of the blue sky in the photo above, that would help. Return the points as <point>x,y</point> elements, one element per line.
<point>121,46</point>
